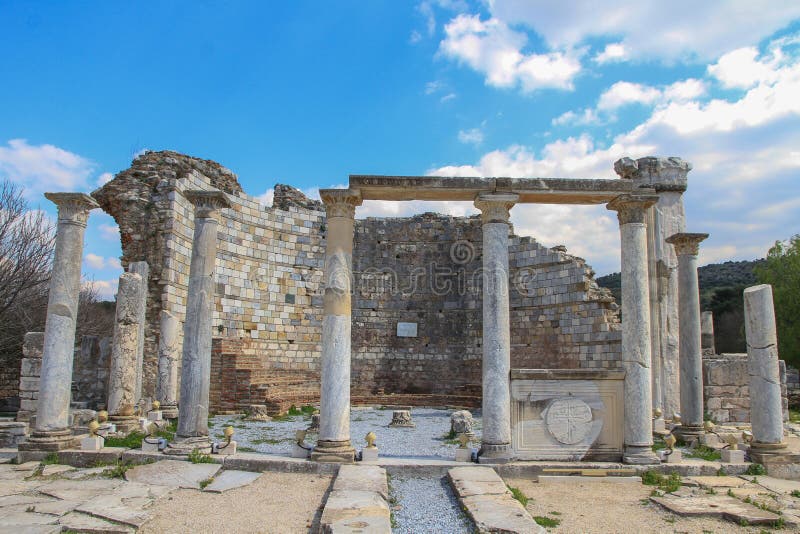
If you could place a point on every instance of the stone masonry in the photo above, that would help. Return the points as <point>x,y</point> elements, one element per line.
<point>268,309</point>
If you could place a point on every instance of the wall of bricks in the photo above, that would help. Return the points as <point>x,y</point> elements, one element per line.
<point>424,269</point>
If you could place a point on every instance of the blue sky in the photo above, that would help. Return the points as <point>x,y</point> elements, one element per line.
<point>306,93</point>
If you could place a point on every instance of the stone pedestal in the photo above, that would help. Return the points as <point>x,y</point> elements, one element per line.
<point>636,345</point>
<point>707,332</point>
<point>227,450</point>
<point>333,443</point>
<point>732,457</point>
<point>196,362</point>
<point>299,452</point>
<point>122,377</point>
<point>675,458</point>
<point>168,354</point>
<point>659,426</point>
<point>92,443</point>
<point>125,424</point>
<point>691,355</point>
<point>155,415</point>
<point>766,408</point>
<point>52,431</point>
<point>463,455</point>
<point>496,433</point>
<point>369,454</point>
<point>150,444</point>
<point>402,418</point>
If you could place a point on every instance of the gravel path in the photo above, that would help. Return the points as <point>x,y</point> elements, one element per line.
<point>426,505</point>
<point>425,440</point>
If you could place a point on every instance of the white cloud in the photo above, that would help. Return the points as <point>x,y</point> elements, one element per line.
<point>415,37</point>
<point>433,87</point>
<point>95,261</point>
<point>105,289</point>
<point>624,93</point>
<point>612,53</point>
<point>741,69</point>
<point>473,136</point>
<point>104,178</point>
<point>447,97</point>
<point>495,50</point>
<point>582,118</point>
<point>266,197</point>
<point>40,168</point>
<point>669,31</point>
<point>109,231</point>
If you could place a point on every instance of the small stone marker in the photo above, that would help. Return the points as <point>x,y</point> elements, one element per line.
<point>92,443</point>
<point>370,452</point>
<point>402,418</point>
<point>732,456</point>
<point>464,452</point>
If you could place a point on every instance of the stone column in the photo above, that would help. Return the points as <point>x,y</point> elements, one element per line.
<point>168,348</point>
<point>668,177</point>
<point>122,377</point>
<point>687,247</point>
<point>333,444</point>
<point>142,269</point>
<point>636,355</point>
<point>496,408</point>
<point>707,332</point>
<point>766,407</point>
<point>192,430</point>
<point>52,431</point>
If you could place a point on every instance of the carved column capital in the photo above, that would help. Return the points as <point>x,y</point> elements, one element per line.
<point>686,243</point>
<point>662,174</point>
<point>73,208</point>
<point>632,208</point>
<point>340,202</point>
<point>207,203</point>
<point>495,207</point>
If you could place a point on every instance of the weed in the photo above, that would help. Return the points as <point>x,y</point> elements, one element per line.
<point>706,453</point>
<point>658,444</point>
<point>668,484</point>
<point>131,441</point>
<point>555,513</point>
<point>755,469</point>
<point>518,495</point>
<point>795,493</point>
<point>450,435</point>
<point>644,502</point>
<point>119,470</point>
<point>50,459</point>
<point>205,483</point>
<point>711,491</point>
<point>721,472</point>
<point>546,522</point>
<point>730,493</point>
<point>197,457</point>
<point>779,524</point>
<point>30,509</point>
<point>744,523</point>
<point>245,449</point>
<point>669,519</point>
<point>271,441</point>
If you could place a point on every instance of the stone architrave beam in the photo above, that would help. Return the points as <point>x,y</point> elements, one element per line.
<point>52,430</point>
<point>333,443</point>
<point>496,433</point>
<point>192,430</point>
<point>636,347</point>
<point>687,247</point>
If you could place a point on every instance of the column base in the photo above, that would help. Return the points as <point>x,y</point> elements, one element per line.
<point>764,452</point>
<point>639,455</point>
<point>183,446</point>
<point>169,411</point>
<point>125,423</point>
<point>689,433</point>
<point>495,453</point>
<point>43,442</point>
<point>339,452</point>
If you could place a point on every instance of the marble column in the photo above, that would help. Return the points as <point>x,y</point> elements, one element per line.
<point>766,408</point>
<point>687,247</point>
<point>192,430</point>
<point>707,332</point>
<point>636,348</point>
<point>496,408</point>
<point>122,377</point>
<point>142,269</point>
<point>333,444</point>
<point>168,353</point>
<point>52,430</point>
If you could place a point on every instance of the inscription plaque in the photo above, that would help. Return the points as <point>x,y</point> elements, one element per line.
<point>406,329</point>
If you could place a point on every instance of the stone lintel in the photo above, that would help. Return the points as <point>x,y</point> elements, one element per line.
<point>566,374</point>
<point>660,173</point>
<point>631,208</point>
<point>530,190</point>
<point>686,243</point>
<point>207,203</point>
<point>73,208</point>
<point>340,202</point>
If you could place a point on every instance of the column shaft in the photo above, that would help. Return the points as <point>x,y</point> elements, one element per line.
<point>142,269</point>
<point>168,352</point>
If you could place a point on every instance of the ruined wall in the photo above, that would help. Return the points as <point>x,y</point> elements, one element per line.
<point>9,381</point>
<point>268,308</point>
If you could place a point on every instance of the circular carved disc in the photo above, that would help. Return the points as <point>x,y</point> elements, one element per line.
<point>569,420</point>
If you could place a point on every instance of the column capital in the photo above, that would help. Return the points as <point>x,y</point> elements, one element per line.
<point>662,174</point>
<point>686,244</point>
<point>207,203</point>
<point>73,208</point>
<point>631,208</point>
<point>495,207</point>
<point>340,202</point>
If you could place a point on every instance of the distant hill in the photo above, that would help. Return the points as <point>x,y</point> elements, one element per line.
<point>721,286</point>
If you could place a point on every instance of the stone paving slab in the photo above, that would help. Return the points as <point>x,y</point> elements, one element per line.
<point>55,469</point>
<point>27,466</point>
<point>79,491</point>
<point>22,520</point>
<point>30,529</point>
<point>362,478</point>
<point>80,522</point>
<point>718,482</point>
<point>173,473</point>
<point>722,506</point>
<point>487,501</point>
<point>550,479</point>
<point>125,504</point>
<point>227,480</point>
<point>23,499</point>
<point>778,485</point>
<point>55,507</point>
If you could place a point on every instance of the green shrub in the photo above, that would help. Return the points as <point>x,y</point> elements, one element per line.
<point>546,522</point>
<point>755,469</point>
<point>131,441</point>
<point>668,484</point>
<point>50,459</point>
<point>706,453</point>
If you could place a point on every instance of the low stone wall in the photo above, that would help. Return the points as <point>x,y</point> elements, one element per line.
<point>30,369</point>
<point>726,388</point>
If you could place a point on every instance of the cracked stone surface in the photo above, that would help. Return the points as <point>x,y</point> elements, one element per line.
<point>173,473</point>
<point>722,506</point>
<point>231,479</point>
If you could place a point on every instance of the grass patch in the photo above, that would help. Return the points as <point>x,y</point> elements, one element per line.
<point>795,493</point>
<point>245,449</point>
<point>706,453</point>
<point>168,432</point>
<point>755,469</point>
<point>118,470</point>
<point>50,459</point>
<point>546,522</point>
<point>658,444</point>
<point>794,416</point>
<point>271,441</point>
<point>205,483</point>
<point>668,484</point>
<point>518,495</point>
<point>131,441</point>
<point>197,457</point>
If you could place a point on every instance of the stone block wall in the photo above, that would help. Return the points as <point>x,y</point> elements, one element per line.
<point>30,369</point>
<point>90,372</point>
<point>9,381</point>
<point>726,388</point>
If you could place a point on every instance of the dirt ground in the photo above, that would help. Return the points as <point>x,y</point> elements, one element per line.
<point>277,503</point>
<point>612,507</point>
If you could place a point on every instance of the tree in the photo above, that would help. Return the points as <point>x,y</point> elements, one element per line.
<point>782,271</point>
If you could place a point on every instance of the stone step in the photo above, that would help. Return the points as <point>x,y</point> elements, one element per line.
<point>358,501</point>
